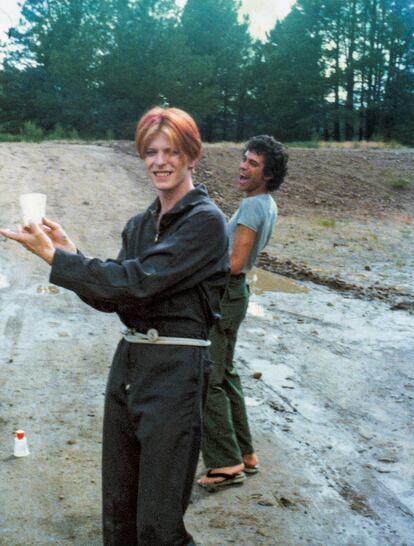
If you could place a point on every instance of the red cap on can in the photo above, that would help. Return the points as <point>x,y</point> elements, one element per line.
<point>20,434</point>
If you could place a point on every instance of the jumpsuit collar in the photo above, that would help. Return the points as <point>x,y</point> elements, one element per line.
<point>190,199</point>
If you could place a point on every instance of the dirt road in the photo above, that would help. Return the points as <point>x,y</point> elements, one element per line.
<point>333,411</point>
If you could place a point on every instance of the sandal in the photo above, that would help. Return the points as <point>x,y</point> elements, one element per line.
<point>228,479</point>
<point>251,469</point>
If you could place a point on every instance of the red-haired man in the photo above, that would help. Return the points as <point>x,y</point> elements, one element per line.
<point>165,286</point>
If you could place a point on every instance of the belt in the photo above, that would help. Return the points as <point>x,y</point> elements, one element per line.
<point>152,337</point>
<point>239,276</point>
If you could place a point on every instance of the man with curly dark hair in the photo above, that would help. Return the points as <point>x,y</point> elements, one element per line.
<point>274,156</point>
<point>227,445</point>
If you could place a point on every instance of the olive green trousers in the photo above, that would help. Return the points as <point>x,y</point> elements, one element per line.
<point>226,434</point>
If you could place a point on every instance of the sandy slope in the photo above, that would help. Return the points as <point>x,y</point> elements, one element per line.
<point>332,413</point>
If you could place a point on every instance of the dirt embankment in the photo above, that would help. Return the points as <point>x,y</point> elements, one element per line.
<point>334,203</point>
<point>330,187</point>
<point>324,182</point>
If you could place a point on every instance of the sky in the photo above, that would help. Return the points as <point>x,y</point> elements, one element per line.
<point>262,13</point>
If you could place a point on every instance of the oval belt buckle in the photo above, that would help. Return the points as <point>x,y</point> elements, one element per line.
<point>152,334</point>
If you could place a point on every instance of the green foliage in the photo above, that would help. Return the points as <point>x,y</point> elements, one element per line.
<point>304,144</point>
<point>399,183</point>
<point>7,137</point>
<point>361,144</point>
<point>31,132</point>
<point>327,222</point>
<point>393,144</point>
<point>289,79</point>
<point>332,70</point>
<point>60,133</point>
<point>217,40</point>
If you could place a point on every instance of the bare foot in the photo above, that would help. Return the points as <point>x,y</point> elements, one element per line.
<point>230,470</point>
<point>250,460</point>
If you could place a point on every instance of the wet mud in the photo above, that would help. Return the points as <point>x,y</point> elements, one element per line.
<point>266,280</point>
<point>397,298</point>
<point>326,363</point>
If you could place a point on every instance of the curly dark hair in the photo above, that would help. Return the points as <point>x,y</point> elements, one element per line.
<point>275,158</point>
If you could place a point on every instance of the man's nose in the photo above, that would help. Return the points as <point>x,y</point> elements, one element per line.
<point>160,158</point>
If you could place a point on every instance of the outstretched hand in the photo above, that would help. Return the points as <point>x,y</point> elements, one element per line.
<point>34,239</point>
<point>58,236</point>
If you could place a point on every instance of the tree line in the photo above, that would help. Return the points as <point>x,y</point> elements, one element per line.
<point>332,69</point>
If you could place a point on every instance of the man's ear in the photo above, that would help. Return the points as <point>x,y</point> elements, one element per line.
<point>192,164</point>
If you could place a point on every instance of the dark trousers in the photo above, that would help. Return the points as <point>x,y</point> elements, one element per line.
<point>226,432</point>
<point>151,440</point>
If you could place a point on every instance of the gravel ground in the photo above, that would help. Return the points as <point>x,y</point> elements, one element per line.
<point>332,412</point>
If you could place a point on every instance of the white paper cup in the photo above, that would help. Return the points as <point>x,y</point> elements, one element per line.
<point>33,206</point>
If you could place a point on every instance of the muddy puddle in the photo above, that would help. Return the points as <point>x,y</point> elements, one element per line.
<point>261,281</point>
<point>397,297</point>
<point>47,289</point>
<point>371,259</point>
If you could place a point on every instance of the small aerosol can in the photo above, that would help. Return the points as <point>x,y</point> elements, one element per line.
<point>20,444</point>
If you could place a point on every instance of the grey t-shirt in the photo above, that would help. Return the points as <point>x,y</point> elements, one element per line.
<point>258,213</point>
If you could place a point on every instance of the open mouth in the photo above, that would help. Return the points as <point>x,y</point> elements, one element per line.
<point>162,174</point>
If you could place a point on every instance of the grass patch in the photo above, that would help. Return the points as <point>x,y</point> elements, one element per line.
<point>60,133</point>
<point>346,145</point>
<point>8,137</point>
<point>327,222</point>
<point>31,132</point>
<point>303,144</point>
<point>361,144</point>
<point>223,144</point>
<point>399,183</point>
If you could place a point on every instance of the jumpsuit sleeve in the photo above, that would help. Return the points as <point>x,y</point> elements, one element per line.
<point>180,262</point>
<point>100,304</point>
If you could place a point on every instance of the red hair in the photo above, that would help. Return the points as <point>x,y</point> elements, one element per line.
<point>178,126</point>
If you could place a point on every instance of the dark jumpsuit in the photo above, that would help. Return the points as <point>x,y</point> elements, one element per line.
<point>170,280</point>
